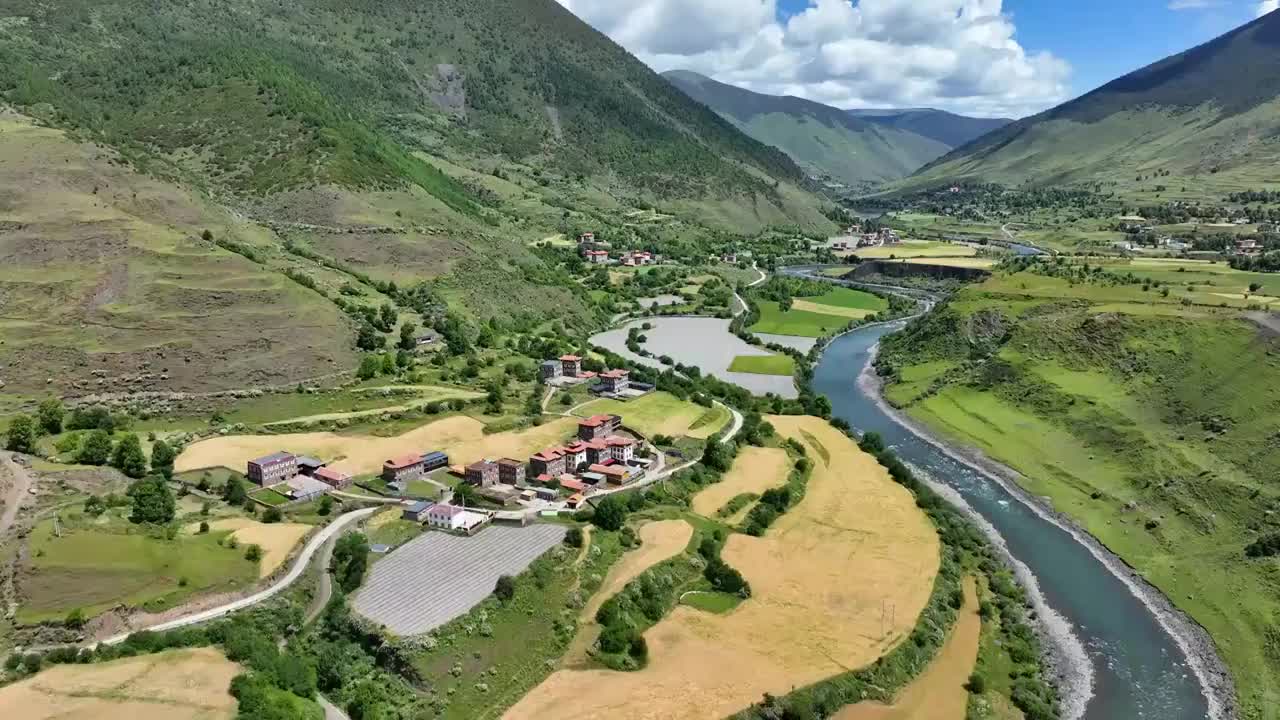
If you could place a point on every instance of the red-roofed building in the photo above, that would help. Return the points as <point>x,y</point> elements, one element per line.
<point>620,448</point>
<point>598,426</point>
<point>549,462</point>
<point>587,237</point>
<point>575,454</point>
<point>574,501</point>
<point>573,484</point>
<point>483,474</point>
<point>405,467</point>
<point>615,381</point>
<point>596,257</point>
<point>332,478</point>
<point>571,365</point>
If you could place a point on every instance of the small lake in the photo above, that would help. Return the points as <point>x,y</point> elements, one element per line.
<point>703,342</point>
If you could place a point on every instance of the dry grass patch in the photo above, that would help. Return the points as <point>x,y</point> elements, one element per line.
<point>659,541</point>
<point>939,693</point>
<point>848,312</point>
<point>819,579</point>
<point>754,471</point>
<point>176,685</point>
<point>462,437</point>
<point>277,540</point>
<point>959,262</point>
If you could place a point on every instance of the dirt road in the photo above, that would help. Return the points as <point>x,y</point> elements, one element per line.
<point>20,482</point>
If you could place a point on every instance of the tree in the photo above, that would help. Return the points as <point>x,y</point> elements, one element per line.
<point>94,506</point>
<point>204,527</point>
<point>253,553</point>
<point>233,492</point>
<point>369,366</point>
<point>505,588</point>
<point>466,495</point>
<point>574,538</point>
<point>50,415</point>
<point>388,365</point>
<point>326,506</point>
<point>367,338</point>
<point>95,449</point>
<point>610,514</point>
<point>162,457</point>
<point>407,339</point>
<point>388,315</point>
<point>22,435</point>
<point>128,457</point>
<point>350,559</point>
<point>272,515</point>
<point>152,501</point>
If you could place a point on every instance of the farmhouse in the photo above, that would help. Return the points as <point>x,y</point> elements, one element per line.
<point>620,448</point>
<point>599,426</point>
<point>308,465</point>
<point>417,512</point>
<point>571,365</point>
<point>550,370</point>
<point>272,469</point>
<point>614,381</point>
<point>434,461</point>
<point>551,461</point>
<point>303,488</point>
<point>483,473</point>
<point>572,484</point>
<point>577,454</point>
<point>454,518</point>
<point>511,472</point>
<point>614,474</point>
<point>596,257</point>
<point>332,478</point>
<point>403,468</point>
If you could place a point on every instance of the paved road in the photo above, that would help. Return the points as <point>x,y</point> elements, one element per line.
<point>325,590</point>
<point>295,572</point>
<point>21,483</point>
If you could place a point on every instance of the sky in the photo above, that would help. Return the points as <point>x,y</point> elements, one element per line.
<point>989,58</point>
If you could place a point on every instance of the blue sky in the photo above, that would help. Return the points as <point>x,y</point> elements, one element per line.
<point>991,58</point>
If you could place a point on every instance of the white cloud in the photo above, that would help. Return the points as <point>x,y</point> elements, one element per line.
<point>959,55</point>
<point>1194,4</point>
<point>1267,6</point>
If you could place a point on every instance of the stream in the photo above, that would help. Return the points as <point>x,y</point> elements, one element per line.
<point>1133,667</point>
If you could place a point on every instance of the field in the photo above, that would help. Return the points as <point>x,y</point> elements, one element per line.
<point>93,569</point>
<point>659,540</point>
<point>435,578</point>
<point>277,540</point>
<point>960,262</point>
<point>462,437</point>
<point>1141,421</point>
<point>754,471</point>
<point>174,685</point>
<point>660,413</point>
<point>268,496</point>
<point>939,692</point>
<point>916,249</point>
<point>804,621</point>
<point>764,364</point>
<point>817,316</point>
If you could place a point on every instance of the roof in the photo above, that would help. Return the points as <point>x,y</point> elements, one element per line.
<point>330,473</point>
<point>274,458</point>
<point>544,478</point>
<point>575,485</point>
<point>481,465</point>
<point>614,374</point>
<point>550,363</point>
<point>596,420</point>
<point>570,358</point>
<point>403,461</point>
<point>549,454</point>
<point>308,461</point>
<point>576,498</point>
<point>597,445</point>
<point>379,549</point>
<point>434,454</point>
<point>508,462</point>
<point>419,506</point>
<point>607,470</point>
<point>446,510</point>
<point>619,441</point>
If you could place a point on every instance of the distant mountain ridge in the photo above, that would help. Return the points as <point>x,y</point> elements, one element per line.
<point>1208,117</point>
<point>858,147</point>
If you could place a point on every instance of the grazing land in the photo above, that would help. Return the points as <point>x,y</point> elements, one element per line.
<point>753,471</point>
<point>437,577</point>
<point>959,262</point>
<point>93,568</point>
<point>174,685</point>
<point>660,413</point>
<point>804,621</point>
<point>660,540</point>
<point>916,249</point>
<point>939,692</point>
<point>761,365</point>
<point>277,540</point>
<point>463,437</point>
<point>803,323</point>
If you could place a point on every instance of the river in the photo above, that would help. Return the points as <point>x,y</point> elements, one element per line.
<point>1138,670</point>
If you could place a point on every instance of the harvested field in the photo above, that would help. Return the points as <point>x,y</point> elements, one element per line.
<point>848,312</point>
<point>805,620</point>
<point>435,578</point>
<point>277,540</point>
<point>659,541</point>
<point>939,693</point>
<point>660,413</point>
<point>754,471</point>
<point>960,262</point>
<point>176,685</point>
<point>462,437</point>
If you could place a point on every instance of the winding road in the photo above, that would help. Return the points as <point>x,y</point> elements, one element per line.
<point>22,482</point>
<point>299,567</point>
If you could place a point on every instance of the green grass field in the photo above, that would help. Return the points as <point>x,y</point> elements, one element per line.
<point>799,323</point>
<point>1148,428</point>
<point>712,602</point>
<point>764,364</point>
<point>849,298</point>
<point>661,413</point>
<point>96,568</point>
<point>268,496</point>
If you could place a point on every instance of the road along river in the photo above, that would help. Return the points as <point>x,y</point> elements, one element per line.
<point>1123,651</point>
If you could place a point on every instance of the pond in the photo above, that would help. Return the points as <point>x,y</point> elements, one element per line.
<point>703,342</point>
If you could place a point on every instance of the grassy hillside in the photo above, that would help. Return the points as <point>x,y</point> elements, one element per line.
<point>947,128</point>
<point>329,149</point>
<point>1145,417</point>
<point>1195,119</point>
<point>824,140</point>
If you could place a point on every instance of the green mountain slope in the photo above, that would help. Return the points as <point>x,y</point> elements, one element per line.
<point>1206,118</point>
<point>354,143</point>
<point>947,128</point>
<point>825,140</point>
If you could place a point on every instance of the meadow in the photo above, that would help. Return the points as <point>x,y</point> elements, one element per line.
<point>916,249</point>
<point>764,364</point>
<point>661,413</point>
<point>819,315</point>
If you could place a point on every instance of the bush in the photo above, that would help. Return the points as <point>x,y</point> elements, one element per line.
<point>976,685</point>
<point>272,515</point>
<point>573,538</point>
<point>505,588</point>
<point>204,527</point>
<point>253,553</point>
<point>610,514</point>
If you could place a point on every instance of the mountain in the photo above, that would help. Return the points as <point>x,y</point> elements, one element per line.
<point>1207,119</point>
<point>823,139</point>
<point>947,128</point>
<point>218,192</point>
